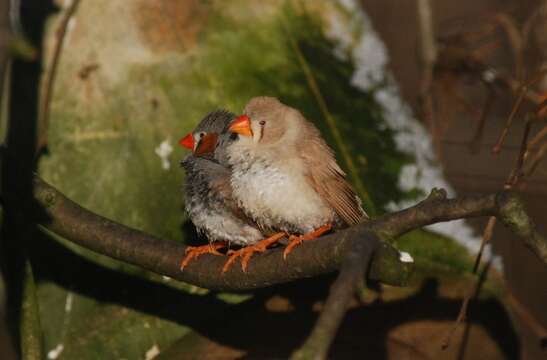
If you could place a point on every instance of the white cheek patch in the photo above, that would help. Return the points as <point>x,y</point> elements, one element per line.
<point>197,139</point>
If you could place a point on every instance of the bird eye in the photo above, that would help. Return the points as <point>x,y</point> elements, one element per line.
<point>201,135</point>
<point>262,122</point>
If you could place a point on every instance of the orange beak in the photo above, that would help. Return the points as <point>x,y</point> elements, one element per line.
<point>242,126</point>
<point>187,141</point>
<point>207,144</point>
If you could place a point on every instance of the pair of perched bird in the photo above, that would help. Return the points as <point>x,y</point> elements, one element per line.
<point>254,179</point>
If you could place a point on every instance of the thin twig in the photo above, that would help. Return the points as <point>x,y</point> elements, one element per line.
<point>43,115</point>
<point>529,24</point>
<point>497,148</point>
<point>512,180</point>
<point>474,144</point>
<point>462,315</point>
<point>476,291</point>
<point>30,329</point>
<point>516,174</point>
<point>536,160</point>
<point>537,138</point>
<point>515,86</point>
<point>428,48</point>
<point>523,91</point>
<point>428,58</point>
<point>486,237</point>
<point>515,40</point>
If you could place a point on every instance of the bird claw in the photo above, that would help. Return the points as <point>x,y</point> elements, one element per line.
<point>233,257</point>
<point>193,252</point>
<point>295,240</point>
<point>247,252</point>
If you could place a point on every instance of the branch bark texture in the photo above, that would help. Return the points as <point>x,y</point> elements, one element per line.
<point>68,219</point>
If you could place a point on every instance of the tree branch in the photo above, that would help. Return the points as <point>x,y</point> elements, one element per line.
<point>92,231</point>
<point>513,215</point>
<point>355,264</point>
<point>49,81</point>
<point>31,330</point>
<point>68,219</point>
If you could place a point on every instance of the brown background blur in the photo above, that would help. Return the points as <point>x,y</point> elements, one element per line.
<point>396,22</point>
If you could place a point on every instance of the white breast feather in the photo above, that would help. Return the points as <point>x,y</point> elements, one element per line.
<point>220,225</point>
<point>279,196</point>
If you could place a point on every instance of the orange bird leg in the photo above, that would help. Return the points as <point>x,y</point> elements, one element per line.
<point>294,240</point>
<point>247,252</point>
<point>193,252</point>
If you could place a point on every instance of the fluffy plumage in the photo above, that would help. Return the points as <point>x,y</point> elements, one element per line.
<point>208,195</point>
<point>285,176</point>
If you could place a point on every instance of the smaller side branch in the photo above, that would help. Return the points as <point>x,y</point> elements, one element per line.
<point>462,315</point>
<point>428,48</point>
<point>428,58</point>
<point>43,119</point>
<point>31,330</point>
<point>513,215</point>
<point>436,208</point>
<point>355,264</point>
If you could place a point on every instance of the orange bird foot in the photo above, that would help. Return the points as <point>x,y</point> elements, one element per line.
<point>247,252</point>
<point>295,240</point>
<point>193,252</point>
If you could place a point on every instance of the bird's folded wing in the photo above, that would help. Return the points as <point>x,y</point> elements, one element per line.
<point>327,178</point>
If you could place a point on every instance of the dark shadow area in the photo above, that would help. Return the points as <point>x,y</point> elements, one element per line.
<point>250,326</point>
<point>19,158</point>
<point>191,236</point>
<point>51,261</point>
<point>364,332</point>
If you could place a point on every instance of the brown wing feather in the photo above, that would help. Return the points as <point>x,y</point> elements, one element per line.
<point>326,176</point>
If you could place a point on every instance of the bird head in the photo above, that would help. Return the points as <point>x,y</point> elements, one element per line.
<point>263,121</point>
<point>200,142</point>
<point>205,137</point>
